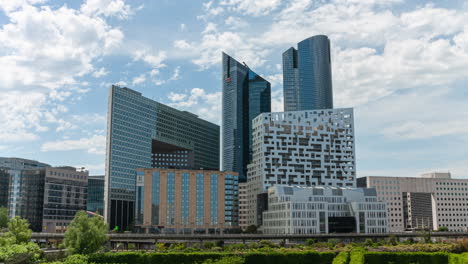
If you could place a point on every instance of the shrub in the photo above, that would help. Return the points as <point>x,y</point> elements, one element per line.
<point>368,242</point>
<point>267,243</point>
<point>405,257</point>
<point>131,246</point>
<point>357,256</point>
<point>443,229</point>
<point>235,247</point>
<point>225,260</point>
<point>160,247</point>
<point>208,245</point>
<point>461,245</point>
<point>85,235</point>
<point>310,242</point>
<point>341,258</point>
<point>177,247</point>
<point>392,240</point>
<point>20,253</point>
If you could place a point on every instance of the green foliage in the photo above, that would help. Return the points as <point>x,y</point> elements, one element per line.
<point>3,217</point>
<point>443,229</point>
<point>332,242</point>
<point>461,245</point>
<point>177,247</point>
<point>357,256</point>
<point>199,257</point>
<point>76,259</point>
<point>426,235</point>
<point>235,247</point>
<point>19,229</point>
<point>267,244</point>
<point>208,245</point>
<point>310,242</point>
<point>20,253</point>
<point>85,235</point>
<point>160,247</point>
<point>225,260</point>
<point>405,258</point>
<point>458,258</point>
<point>392,240</point>
<point>368,242</point>
<point>251,229</point>
<point>341,258</point>
<point>131,246</point>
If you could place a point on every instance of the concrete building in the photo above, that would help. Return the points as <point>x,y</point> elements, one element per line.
<point>307,76</point>
<point>186,201</point>
<point>245,95</point>
<point>243,205</point>
<point>142,133</point>
<point>431,201</point>
<point>95,201</point>
<point>48,197</point>
<point>303,148</point>
<point>315,210</point>
<point>4,182</point>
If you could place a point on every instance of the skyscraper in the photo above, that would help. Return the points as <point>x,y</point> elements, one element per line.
<point>307,78</point>
<point>142,133</point>
<point>245,95</point>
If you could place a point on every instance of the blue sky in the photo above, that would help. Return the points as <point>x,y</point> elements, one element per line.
<point>403,65</point>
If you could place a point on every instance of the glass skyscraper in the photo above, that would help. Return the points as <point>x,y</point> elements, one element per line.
<point>307,78</point>
<point>143,133</point>
<point>245,95</point>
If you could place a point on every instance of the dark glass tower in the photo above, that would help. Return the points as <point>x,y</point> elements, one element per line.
<point>245,95</point>
<point>307,79</point>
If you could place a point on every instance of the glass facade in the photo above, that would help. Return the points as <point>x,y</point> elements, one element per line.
<point>245,95</point>
<point>185,198</point>
<point>170,198</point>
<point>139,131</point>
<point>214,199</point>
<point>155,198</point>
<point>199,218</point>
<point>307,78</point>
<point>95,201</point>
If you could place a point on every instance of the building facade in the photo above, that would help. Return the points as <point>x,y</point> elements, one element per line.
<point>4,182</point>
<point>315,210</point>
<point>245,95</point>
<point>142,133</point>
<point>95,201</point>
<point>243,205</point>
<point>307,77</point>
<point>431,201</point>
<point>186,201</point>
<point>48,197</point>
<point>303,148</point>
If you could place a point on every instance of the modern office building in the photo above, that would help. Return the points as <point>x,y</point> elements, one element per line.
<point>431,201</point>
<point>245,95</point>
<point>95,201</point>
<point>302,148</point>
<point>315,210</point>
<point>186,201</point>
<point>307,77</point>
<point>48,197</point>
<point>243,205</point>
<point>142,133</point>
<point>4,182</point>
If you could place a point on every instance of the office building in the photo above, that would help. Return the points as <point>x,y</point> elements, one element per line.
<point>315,210</point>
<point>48,197</point>
<point>186,201</point>
<point>302,148</point>
<point>307,77</point>
<point>431,201</point>
<point>4,182</point>
<point>243,205</point>
<point>142,133</point>
<point>95,201</point>
<point>245,95</point>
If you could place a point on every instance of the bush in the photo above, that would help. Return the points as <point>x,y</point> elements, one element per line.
<point>267,243</point>
<point>405,258</point>
<point>177,247</point>
<point>310,242</point>
<point>131,246</point>
<point>443,229</point>
<point>392,240</point>
<point>368,242</point>
<point>341,258</point>
<point>357,256</point>
<point>461,245</point>
<point>20,253</point>
<point>208,245</point>
<point>235,247</point>
<point>160,247</point>
<point>225,260</point>
<point>85,235</point>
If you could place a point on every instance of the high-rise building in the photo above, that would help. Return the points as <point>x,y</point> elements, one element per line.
<point>4,182</point>
<point>142,133</point>
<point>95,201</point>
<point>186,201</point>
<point>245,95</point>
<point>431,201</point>
<point>48,197</point>
<point>301,148</point>
<point>307,77</point>
<point>315,210</point>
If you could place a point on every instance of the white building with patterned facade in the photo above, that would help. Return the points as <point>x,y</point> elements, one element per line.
<point>301,148</point>
<point>315,210</point>
<point>432,201</point>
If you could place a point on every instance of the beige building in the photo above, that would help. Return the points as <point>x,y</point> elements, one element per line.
<point>432,201</point>
<point>243,206</point>
<point>186,201</point>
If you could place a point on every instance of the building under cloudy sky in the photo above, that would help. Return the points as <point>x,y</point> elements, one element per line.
<point>403,66</point>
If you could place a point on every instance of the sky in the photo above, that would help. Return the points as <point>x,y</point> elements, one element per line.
<point>402,65</point>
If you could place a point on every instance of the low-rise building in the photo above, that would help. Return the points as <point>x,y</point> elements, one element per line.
<point>186,201</point>
<point>315,210</point>
<point>431,201</point>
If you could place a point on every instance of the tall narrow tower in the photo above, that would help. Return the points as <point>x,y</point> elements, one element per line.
<point>307,78</point>
<point>245,96</point>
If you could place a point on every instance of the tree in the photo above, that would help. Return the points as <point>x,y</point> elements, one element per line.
<point>3,217</point>
<point>19,229</point>
<point>251,229</point>
<point>85,235</point>
<point>443,229</point>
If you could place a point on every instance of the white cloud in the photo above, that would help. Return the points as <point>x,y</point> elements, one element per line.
<point>139,79</point>
<point>183,27</point>
<point>205,105</point>
<point>99,73</point>
<point>252,7</point>
<point>154,60</point>
<point>116,8</point>
<point>93,145</point>
<point>182,44</point>
<point>176,75</point>
<point>121,83</point>
<point>277,103</point>
<point>236,22</point>
<point>94,169</point>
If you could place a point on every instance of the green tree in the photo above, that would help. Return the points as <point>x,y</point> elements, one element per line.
<point>19,229</point>
<point>251,229</point>
<point>85,235</point>
<point>3,217</point>
<point>443,229</point>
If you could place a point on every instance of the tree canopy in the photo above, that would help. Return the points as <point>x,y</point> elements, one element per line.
<point>85,235</point>
<point>3,217</point>
<point>19,229</point>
